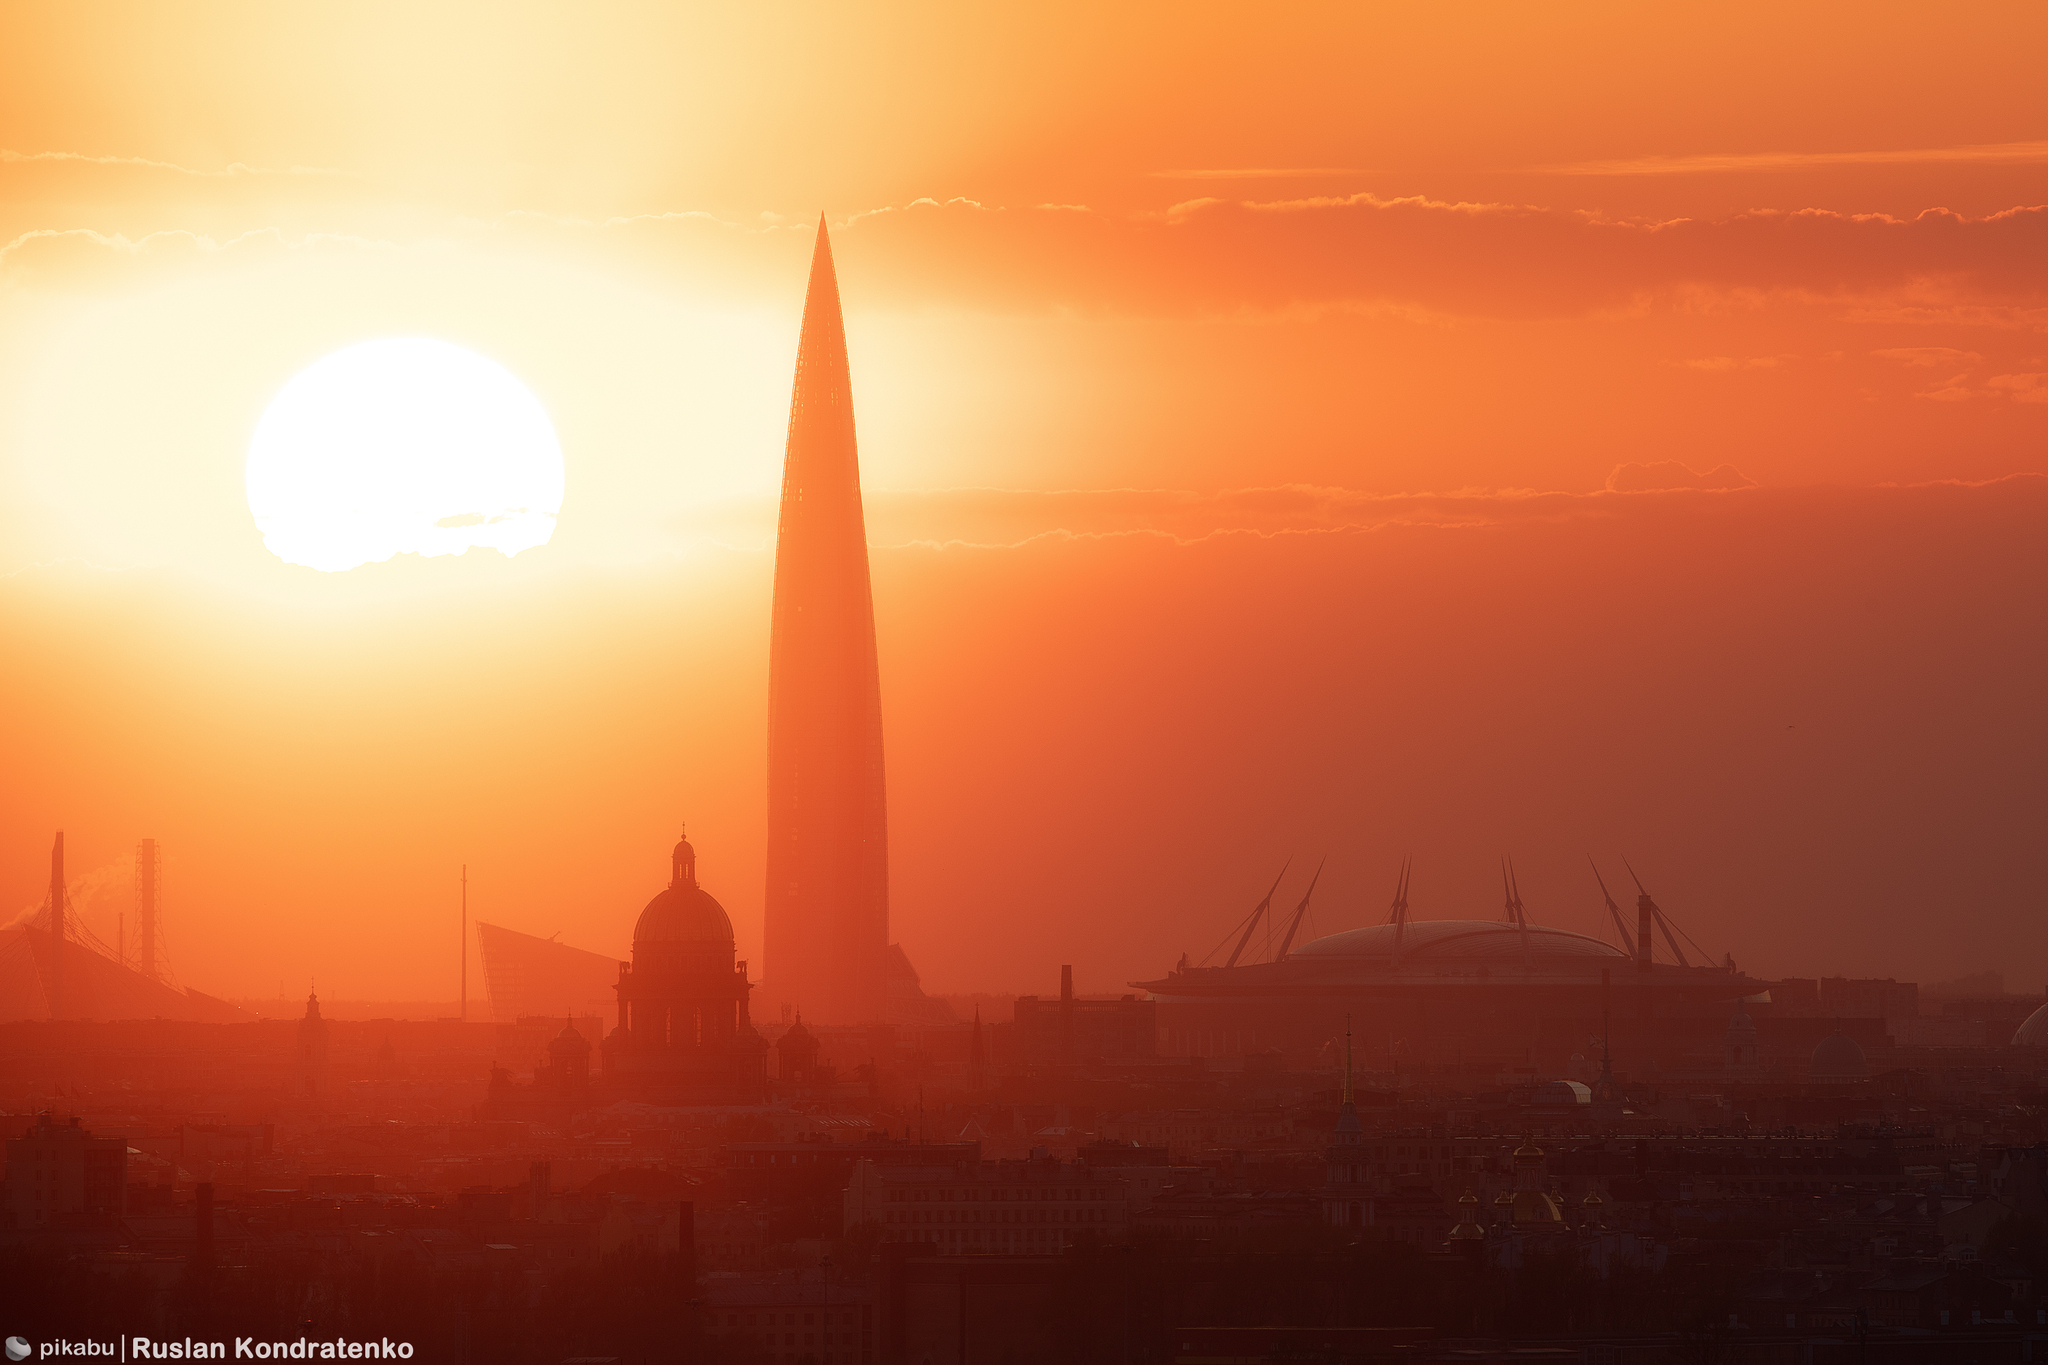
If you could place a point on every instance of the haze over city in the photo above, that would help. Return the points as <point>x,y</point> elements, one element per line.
<point>884,684</point>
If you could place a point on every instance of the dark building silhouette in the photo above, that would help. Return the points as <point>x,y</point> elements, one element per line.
<point>827,904</point>
<point>567,1073</point>
<point>59,1173</point>
<point>530,977</point>
<point>1347,1195</point>
<point>1070,1030</point>
<point>796,1053</point>
<point>312,1049</point>
<point>1455,987</point>
<point>684,1036</point>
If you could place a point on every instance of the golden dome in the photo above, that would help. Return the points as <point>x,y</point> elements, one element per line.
<point>1469,1228</point>
<point>1534,1208</point>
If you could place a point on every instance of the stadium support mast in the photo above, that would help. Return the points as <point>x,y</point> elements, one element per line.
<point>1299,911</point>
<point>1657,914</point>
<point>1613,910</point>
<point>462,942</point>
<point>1398,917</point>
<point>1510,885</point>
<point>1258,912</point>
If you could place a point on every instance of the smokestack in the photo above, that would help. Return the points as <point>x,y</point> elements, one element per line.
<point>1645,916</point>
<point>1066,1013</point>
<point>56,927</point>
<point>202,1249</point>
<point>145,905</point>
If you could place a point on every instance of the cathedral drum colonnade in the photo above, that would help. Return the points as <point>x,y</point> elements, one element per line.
<point>684,1035</point>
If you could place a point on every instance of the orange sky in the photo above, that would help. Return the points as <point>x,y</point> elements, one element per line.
<point>1274,427</point>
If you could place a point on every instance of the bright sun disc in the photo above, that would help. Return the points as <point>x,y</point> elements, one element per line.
<point>406,446</point>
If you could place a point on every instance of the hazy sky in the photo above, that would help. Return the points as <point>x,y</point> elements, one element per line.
<point>1454,429</point>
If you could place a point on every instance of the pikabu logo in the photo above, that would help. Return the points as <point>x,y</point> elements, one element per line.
<point>18,1349</point>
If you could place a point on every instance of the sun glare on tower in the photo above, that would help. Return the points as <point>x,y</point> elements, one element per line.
<point>402,446</point>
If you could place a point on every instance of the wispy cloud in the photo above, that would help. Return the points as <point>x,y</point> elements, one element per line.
<point>991,518</point>
<point>1955,315</point>
<point>1298,255</point>
<point>1926,357</point>
<point>116,242</point>
<point>1666,476</point>
<point>83,258</point>
<point>234,170</point>
<point>2021,388</point>
<point>1736,362</point>
<point>1711,163</point>
<point>1014,518</point>
<point>1257,173</point>
<point>1957,390</point>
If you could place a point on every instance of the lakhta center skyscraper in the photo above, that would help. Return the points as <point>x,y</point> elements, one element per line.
<point>828,848</point>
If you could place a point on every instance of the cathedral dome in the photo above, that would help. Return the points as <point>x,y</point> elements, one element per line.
<point>684,912</point>
<point>1838,1059</point>
<point>568,1042</point>
<point>568,1056</point>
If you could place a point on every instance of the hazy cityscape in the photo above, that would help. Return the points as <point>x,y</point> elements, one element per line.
<point>1425,1139</point>
<point>1409,730</point>
<point>1832,1166</point>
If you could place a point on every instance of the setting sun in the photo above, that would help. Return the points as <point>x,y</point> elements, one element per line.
<point>409,446</point>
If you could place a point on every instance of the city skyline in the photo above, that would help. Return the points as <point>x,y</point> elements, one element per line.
<point>898,684</point>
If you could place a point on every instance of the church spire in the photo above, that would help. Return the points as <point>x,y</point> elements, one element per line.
<point>1349,1131</point>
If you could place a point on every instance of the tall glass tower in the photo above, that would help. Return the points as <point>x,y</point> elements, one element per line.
<point>828,846</point>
